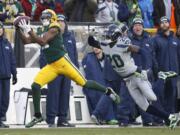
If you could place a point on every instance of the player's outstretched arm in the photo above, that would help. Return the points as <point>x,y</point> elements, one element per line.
<point>48,36</point>
<point>94,43</point>
<point>25,39</point>
<point>133,49</point>
<point>97,44</point>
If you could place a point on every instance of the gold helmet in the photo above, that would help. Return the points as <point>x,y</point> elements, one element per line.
<point>49,14</point>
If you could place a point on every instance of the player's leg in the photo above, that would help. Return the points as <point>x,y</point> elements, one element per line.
<point>2,125</point>
<point>142,102</point>
<point>146,89</point>
<point>71,71</point>
<point>63,108</point>
<point>44,76</point>
<point>5,97</point>
<point>52,99</point>
<point>137,96</point>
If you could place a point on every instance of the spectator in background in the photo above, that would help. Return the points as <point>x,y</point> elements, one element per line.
<point>146,10</point>
<point>80,10</point>
<point>161,10</point>
<point>34,8</point>
<point>128,10</point>
<point>7,68</point>
<point>9,10</point>
<point>58,8</point>
<point>177,11</point>
<point>169,8</point>
<point>123,13</point>
<point>178,32</point>
<point>97,67</point>
<point>178,102</point>
<point>142,39</point>
<point>60,1</point>
<point>57,103</point>
<point>107,12</point>
<point>166,52</point>
<point>29,7</point>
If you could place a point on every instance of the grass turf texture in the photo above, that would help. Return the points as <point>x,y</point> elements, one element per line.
<point>91,131</point>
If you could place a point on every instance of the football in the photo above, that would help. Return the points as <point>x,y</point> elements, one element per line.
<point>19,18</point>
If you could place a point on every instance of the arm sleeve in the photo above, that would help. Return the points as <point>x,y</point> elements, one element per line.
<point>93,42</point>
<point>97,44</point>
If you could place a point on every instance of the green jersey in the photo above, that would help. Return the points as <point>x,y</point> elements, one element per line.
<point>54,50</point>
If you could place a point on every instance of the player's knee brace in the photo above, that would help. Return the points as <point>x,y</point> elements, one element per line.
<point>35,86</point>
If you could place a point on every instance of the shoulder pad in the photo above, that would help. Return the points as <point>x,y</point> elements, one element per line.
<point>124,40</point>
<point>55,24</point>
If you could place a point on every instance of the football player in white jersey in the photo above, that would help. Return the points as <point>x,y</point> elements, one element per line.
<point>119,52</point>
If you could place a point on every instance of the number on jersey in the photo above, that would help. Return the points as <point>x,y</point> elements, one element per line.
<point>116,59</point>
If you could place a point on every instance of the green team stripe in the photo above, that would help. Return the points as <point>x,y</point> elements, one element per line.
<point>68,59</point>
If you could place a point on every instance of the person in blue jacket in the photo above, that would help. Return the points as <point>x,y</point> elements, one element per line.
<point>142,39</point>
<point>7,68</point>
<point>128,10</point>
<point>57,103</point>
<point>166,52</point>
<point>97,67</point>
<point>178,102</point>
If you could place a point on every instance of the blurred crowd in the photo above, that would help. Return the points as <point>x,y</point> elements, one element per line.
<point>104,11</point>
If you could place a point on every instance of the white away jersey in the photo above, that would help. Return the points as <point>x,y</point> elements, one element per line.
<point>120,58</point>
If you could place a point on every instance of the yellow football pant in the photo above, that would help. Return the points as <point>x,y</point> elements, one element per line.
<point>63,66</point>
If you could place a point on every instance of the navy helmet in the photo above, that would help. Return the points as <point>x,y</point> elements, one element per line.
<point>114,31</point>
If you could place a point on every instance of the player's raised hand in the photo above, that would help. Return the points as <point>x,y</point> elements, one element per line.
<point>25,26</point>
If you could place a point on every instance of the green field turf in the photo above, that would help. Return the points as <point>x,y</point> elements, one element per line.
<point>91,131</point>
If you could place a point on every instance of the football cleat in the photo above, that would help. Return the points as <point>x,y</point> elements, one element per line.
<point>110,92</point>
<point>174,120</point>
<point>65,124</point>
<point>34,121</point>
<point>95,120</point>
<point>2,125</point>
<point>112,122</point>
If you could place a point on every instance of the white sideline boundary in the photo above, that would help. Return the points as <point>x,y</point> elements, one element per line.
<point>86,126</point>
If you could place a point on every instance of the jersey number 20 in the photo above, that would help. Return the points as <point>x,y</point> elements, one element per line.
<point>116,59</point>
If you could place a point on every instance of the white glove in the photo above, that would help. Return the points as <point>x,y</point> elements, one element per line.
<point>26,27</point>
<point>144,75</point>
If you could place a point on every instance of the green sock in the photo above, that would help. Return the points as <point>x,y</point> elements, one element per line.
<point>36,94</point>
<point>94,85</point>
